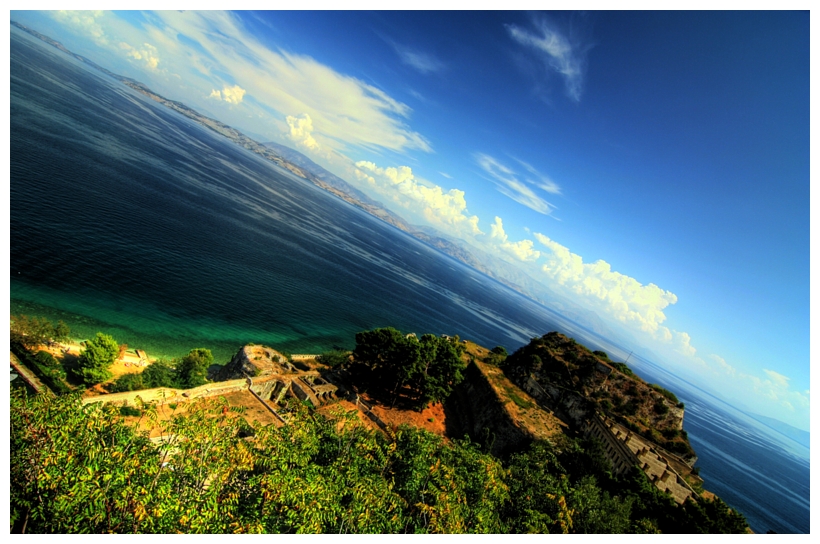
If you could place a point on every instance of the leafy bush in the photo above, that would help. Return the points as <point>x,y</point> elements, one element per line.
<point>159,374</point>
<point>661,408</point>
<point>334,358</point>
<point>128,382</point>
<point>623,369</point>
<point>665,392</point>
<point>99,354</point>
<point>34,331</point>
<point>192,370</point>
<point>130,411</point>
<point>46,359</point>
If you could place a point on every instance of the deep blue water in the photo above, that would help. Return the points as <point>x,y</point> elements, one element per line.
<point>129,218</point>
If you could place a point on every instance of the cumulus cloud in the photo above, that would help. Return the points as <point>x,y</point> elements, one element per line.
<point>300,131</point>
<point>147,54</point>
<point>440,207</point>
<point>521,250</point>
<point>516,186</point>
<point>623,297</point>
<point>558,52</point>
<point>231,95</point>
<point>682,343</point>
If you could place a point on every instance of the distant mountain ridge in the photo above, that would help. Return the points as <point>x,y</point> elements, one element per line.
<point>798,435</point>
<point>300,165</point>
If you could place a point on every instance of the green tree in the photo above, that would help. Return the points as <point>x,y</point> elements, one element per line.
<point>159,374</point>
<point>128,382</point>
<point>192,370</point>
<point>32,332</point>
<point>61,332</point>
<point>95,360</point>
<point>334,358</point>
<point>497,356</point>
<point>440,368</point>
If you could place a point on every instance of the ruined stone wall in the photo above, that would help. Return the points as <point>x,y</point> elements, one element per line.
<point>618,454</point>
<point>165,395</point>
<point>476,407</point>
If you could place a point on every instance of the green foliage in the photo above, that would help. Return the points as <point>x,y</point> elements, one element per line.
<point>334,358</point>
<point>660,407</point>
<point>497,356</point>
<point>45,367</point>
<point>46,359</point>
<point>31,332</point>
<point>623,369</point>
<point>128,382</point>
<point>158,374</point>
<point>601,354</point>
<point>666,393</point>
<point>99,354</point>
<point>192,370</point>
<point>425,369</point>
<point>130,411</point>
<point>78,468</point>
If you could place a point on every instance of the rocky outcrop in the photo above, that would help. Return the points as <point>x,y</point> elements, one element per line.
<point>255,360</point>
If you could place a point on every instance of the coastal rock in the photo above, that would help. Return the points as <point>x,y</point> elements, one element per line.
<point>255,360</point>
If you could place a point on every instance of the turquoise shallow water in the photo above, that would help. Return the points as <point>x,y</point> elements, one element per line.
<point>127,218</point>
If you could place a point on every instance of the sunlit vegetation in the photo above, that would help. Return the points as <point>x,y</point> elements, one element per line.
<point>185,373</point>
<point>80,469</point>
<point>419,371</point>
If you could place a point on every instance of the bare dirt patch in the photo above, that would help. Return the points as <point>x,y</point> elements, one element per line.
<point>431,418</point>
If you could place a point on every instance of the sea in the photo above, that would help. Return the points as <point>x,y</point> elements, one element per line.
<point>128,218</point>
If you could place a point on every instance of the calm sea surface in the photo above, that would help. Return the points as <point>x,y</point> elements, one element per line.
<point>129,218</point>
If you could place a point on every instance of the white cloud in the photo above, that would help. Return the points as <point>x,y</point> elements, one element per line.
<point>207,48</point>
<point>300,131</point>
<point>418,60</point>
<point>147,53</point>
<point>344,110</point>
<point>511,184</point>
<point>442,208</point>
<point>623,297</point>
<point>777,378</point>
<point>521,250</point>
<point>85,22</point>
<point>541,181</point>
<point>231,95</point>
<point>682,342</point>
<point>557,52</point>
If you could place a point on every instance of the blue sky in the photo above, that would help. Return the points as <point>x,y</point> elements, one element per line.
<point>651,166</point>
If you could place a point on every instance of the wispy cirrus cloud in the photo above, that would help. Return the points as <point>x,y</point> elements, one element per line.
<point>517,186</point>
<point>214,52</point>
<point>559,52</point>
<point>421,61</point>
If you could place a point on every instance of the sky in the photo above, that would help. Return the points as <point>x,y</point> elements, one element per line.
<point>653,167</point>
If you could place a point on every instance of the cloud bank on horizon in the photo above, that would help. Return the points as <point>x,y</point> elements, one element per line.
<point>337,119</point>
